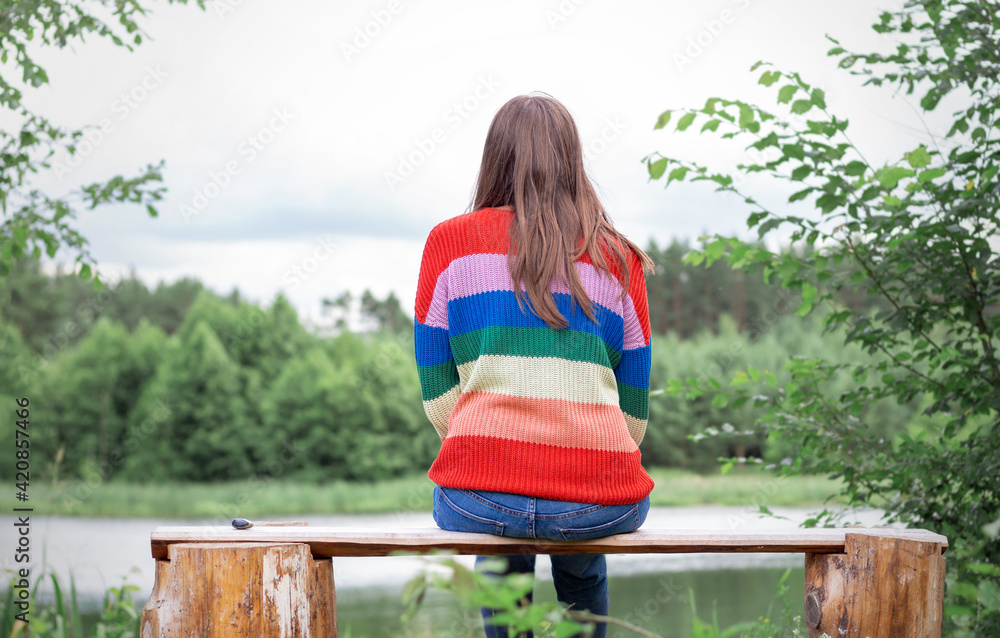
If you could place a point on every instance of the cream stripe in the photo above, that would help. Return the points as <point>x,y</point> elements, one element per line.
<point>540,378</point>
<point>636,427</point>
<point>439,409</point>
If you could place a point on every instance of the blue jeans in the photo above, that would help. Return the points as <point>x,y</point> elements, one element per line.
<point>580,579</point>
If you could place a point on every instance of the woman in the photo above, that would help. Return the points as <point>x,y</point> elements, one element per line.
<point>540,390</point>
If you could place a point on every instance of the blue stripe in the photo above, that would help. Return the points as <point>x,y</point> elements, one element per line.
<point>499,308</point>
<point>633,368</point>
<point>430,344</point>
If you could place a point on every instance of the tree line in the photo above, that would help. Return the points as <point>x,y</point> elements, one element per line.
<point>178,383</point>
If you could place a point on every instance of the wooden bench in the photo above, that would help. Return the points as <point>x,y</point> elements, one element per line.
<point>278,580</point>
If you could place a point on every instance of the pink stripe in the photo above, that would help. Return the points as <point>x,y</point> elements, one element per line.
<point>633,329</point>
<point>478,273</point>
<point>437,313</point>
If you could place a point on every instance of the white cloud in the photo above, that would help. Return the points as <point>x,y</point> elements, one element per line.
<point>220,79</point>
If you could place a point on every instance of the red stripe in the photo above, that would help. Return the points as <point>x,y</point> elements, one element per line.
<point>483,231</point>
<point>544,471</point>
<point>488,231</point>
<point>637,291</point>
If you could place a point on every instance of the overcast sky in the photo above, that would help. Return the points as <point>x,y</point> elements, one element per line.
<point>302,129</point>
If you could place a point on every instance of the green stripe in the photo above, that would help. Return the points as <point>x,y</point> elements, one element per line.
<point>634,401</point>
<point>532,342</point>
<point>437,379</point>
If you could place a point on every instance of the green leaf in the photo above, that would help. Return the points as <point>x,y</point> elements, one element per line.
<point>677,174</point>
<point>85,271</point>
<point>802,194</point>
<point>801,172</point>
<point>658,168</point>
<point>715,250</point>
<point>984,568</point>
<point>786,92</point>
<point>710,125</point>
<point>769,78</point>
<point>794,150</point>
<point>890,175</point>
<point>919,158</point>
<point>801,106</point>
<point>819,98</point>
<point>931,174</point>
<point>990,172</point>
<point>855,168</point>
<point>740,378</point>
<point>808,297</point>
<point>663,119</point>
<point>989,594</point>
<point>686,121</point>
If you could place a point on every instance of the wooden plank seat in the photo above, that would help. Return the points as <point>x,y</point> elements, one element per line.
<point>278,580</point>
<point>327,542</point>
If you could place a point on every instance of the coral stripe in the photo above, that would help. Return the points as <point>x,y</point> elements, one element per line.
<point>555,422</point>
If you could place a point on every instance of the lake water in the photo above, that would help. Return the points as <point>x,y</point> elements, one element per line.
<point>653,590</point>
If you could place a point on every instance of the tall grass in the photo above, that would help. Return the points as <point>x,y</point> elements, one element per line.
<point>119,617</point>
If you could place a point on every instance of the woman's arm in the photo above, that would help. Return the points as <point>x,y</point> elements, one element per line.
<point>439,384</point>
<point>632,372</point>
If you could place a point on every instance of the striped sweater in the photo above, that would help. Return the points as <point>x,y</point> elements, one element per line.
<point>521,407</point>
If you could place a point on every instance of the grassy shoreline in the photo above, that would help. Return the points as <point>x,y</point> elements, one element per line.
<point>256,498</point>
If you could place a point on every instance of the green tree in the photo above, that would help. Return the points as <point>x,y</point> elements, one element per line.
<point>193,416</point>
<point>33,222</point>
<point>90,393</point>
<point>384,314</point>
<point>915,232</point>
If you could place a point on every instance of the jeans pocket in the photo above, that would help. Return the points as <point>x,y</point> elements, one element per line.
<point>629,522</point>
<point>451,517</point>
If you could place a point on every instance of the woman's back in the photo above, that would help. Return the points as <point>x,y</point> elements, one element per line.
<point>523,407</point>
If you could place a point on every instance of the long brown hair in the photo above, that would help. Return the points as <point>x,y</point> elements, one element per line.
<point>533,163</point>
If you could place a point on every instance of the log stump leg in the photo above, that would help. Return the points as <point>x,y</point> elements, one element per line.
<point>825,611</point>
<point>883,585</point>
<point>241,589</point>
